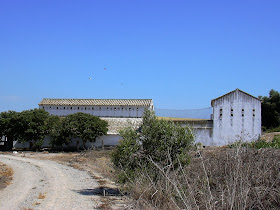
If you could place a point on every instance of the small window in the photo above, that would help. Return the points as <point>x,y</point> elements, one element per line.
<point>115,108</point>
<point>122,108</point>
<point>43,107</point>
<point>50,107</point>
<point>137,109</point>
<point>78,107</point>
<point>63,107</point>
<point>107,108</point>
<point>100,108</point>
<point>56,107</point>
<point>92,108</point>
<point>71,107</point>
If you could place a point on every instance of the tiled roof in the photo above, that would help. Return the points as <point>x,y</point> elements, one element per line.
<point>96,102</point>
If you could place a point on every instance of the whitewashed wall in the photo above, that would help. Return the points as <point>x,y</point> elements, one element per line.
<point>100,111</point>
<point>236,116</point>
<point>203,130</point>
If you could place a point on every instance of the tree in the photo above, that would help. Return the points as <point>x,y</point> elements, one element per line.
<point>85,126</point>
<point>157,142</point>
<point>271,109</point>
<point>8,128</point>
<point>32,127</point>
<point>57,131</point>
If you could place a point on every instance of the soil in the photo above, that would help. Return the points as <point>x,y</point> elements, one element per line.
<point>58,181</point>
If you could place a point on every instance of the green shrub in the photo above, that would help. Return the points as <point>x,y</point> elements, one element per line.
<point>157,143</point>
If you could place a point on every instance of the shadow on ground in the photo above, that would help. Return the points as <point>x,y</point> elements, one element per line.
<point>101,191</point>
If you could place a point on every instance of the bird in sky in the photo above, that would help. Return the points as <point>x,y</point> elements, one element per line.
<point>89,78</point>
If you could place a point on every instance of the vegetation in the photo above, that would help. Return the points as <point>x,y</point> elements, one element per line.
<point>8,125</point>
<point>33,125</point>
<point>84,126</point>
<point>271,110</point>
<point>258,144</point>
<point>156,143</point>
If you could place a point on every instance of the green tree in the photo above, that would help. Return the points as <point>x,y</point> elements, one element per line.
<point>8,126</point>
<point>85,126</point>
<point>157,141</point>
<point>32,127</point>
<point>58,132</point>
<point>271,109</point>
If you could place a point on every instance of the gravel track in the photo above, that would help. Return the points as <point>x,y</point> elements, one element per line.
<point>44,184</point>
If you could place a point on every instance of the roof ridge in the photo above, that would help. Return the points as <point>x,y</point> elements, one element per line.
<point>232,92</point>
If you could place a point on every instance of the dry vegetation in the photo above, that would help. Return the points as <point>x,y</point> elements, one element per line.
<point>6,175</point>
<point>218,178</point>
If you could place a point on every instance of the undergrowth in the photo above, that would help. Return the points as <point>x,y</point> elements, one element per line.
<point>219,178</point>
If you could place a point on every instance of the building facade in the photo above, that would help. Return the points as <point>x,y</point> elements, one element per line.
<point>119,108</point>
<point>236,116</point>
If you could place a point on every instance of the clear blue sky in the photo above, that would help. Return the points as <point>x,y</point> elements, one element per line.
<point>181,54</point>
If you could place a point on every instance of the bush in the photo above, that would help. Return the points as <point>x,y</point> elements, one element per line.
<point>258,144</point>
<point>156,143</point>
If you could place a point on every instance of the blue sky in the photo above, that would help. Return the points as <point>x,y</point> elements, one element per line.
<point>181,54</point>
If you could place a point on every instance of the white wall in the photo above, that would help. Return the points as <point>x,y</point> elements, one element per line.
<point>100,111</point>
<point>236,116</point>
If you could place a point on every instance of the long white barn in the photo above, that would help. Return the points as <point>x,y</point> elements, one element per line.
<point>119,108</point>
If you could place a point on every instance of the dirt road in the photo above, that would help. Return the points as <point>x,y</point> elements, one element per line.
<point>43,184</point>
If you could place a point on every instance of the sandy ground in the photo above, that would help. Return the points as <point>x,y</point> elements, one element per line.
<point>45,184</point>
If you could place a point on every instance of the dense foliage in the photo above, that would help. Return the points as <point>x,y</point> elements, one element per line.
<point>157,143</point>
<point>33,125</point>
<point>85,126</point>
<point>271,110</point>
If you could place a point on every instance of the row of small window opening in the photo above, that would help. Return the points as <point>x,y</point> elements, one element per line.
<point>231,112</point>
<point>99,108</point>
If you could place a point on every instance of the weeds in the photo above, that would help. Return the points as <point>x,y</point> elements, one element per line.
<point>219,178</point>
<point>6,175</point>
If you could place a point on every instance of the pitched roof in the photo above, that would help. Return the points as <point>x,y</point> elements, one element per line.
<point>236,90</point>
<point>96,102</point>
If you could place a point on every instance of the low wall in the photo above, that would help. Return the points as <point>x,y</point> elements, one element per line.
<point>109,140</point>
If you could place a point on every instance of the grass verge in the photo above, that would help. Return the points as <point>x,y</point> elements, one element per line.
<point>6,175</point>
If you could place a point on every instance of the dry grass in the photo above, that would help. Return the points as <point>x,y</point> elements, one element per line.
<point>42,196</point>
<point>6,175</point>
<point>217,178</point>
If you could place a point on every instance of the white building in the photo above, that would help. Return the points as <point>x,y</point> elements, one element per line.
<point>236,116</point>
<point>120,108</point>
<point>119,113</point>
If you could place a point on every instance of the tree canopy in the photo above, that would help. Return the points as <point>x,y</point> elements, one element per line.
<point>85,126</point>
<point>271,109</point>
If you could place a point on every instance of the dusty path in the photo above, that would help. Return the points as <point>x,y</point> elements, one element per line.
<point>43,184</point>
